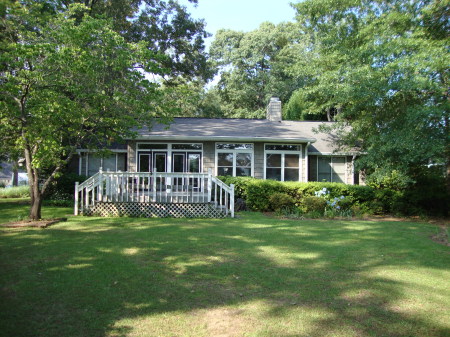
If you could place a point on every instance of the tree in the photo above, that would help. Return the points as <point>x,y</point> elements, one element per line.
<point>165,26</point>
<point>70,82</point>
<point>383,66</point>
<point>253,68</point>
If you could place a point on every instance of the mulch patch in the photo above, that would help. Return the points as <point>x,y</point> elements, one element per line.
<point>43,223</point>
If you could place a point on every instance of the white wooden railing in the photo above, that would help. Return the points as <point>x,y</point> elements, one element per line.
<point>156,187</point>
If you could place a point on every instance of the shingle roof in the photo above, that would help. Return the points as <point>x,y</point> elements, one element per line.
<point>241,130</point>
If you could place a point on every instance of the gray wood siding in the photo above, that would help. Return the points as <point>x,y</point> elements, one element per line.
<point>209,160</point>
<point>258,149</point>
<point>131,156</point>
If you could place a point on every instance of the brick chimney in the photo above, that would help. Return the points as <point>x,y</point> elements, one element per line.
<point>274,110</point>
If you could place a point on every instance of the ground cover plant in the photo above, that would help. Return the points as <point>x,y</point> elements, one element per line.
<point>253,276</point>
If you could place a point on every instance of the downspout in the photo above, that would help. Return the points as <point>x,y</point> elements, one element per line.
<point>353,169</point>
<point>306,162</point>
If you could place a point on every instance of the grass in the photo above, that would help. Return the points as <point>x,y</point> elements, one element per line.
<point>15,192</point>
<point>251,276</point>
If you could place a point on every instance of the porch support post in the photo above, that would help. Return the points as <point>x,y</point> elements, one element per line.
<point>75,212</point>
<point>232,200</point>
<point>100,185</point>
<point>154,185</point>
<point>209,184</point>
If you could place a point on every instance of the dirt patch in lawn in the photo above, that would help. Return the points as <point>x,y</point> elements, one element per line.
<point>43,223</point>
<point>224,322</point>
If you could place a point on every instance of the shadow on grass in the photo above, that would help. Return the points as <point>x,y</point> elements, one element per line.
<point>99,277</point>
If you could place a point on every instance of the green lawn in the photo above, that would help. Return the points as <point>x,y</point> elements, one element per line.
<point>250,276</point>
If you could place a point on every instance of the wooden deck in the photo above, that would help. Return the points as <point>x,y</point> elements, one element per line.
<point>154,188</point>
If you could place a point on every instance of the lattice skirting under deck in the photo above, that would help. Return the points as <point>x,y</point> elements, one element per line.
<point>152,210</point>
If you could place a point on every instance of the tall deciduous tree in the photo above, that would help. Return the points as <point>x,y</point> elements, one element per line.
<point>69,83</point>
<point>383,66</point>
<point>252,68</point>
<point>165,25</point>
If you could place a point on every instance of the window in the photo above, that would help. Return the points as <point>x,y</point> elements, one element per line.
<point>90,163</point>
<point>234,160</point>
<point>187,146</point>
<point>283,162</point>
<point>147,146</point>
<point>327,168</point>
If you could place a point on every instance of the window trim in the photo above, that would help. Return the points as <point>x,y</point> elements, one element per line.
<point>331,165</point>
<point>283,153</point>
<point>234,151</point>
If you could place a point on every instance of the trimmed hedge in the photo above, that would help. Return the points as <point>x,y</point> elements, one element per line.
<point>366,199</point>
<point>257,192</point>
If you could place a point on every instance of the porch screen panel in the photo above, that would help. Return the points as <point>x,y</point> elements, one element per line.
<point>312,168</point>
<point>324,169</point>
<point>109,163</point>
<point>291,167</point>
<point>144,162</point>
<point>122,162</point>
<point>94,164</point>
<point>160,162</point>
<point>178,162</point>
<point>194,162</point>
<point>338,169</point>
<point>273,166</point>
<point>83,158</point>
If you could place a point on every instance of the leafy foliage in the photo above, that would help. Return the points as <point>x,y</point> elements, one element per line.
<point>164,25</point>
<point>253,68</point>
<point>382,67</point>
<point>69,82</point>
<point>280,201</point>
<point>426,197</point>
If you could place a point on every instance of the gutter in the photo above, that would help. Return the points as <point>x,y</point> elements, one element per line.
<point>227,138</point>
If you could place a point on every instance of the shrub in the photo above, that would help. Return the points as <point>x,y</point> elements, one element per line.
<point>428,195</point>
<point>259,192</point>
<point>63,188</point>
<point>391,180</point>
<point>240,185</point>
<point>15,192</point>
<point>313,204</point>
<point>281,201</point>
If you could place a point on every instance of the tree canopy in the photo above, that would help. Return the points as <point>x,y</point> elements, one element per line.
<point>165,26</point>
<point>252,68</point>
<point>383,67</point>
<point>69,83</point>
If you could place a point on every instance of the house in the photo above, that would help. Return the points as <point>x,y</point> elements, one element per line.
<point>268,148</point>
<point>12,174</point>
<point>262,148</point>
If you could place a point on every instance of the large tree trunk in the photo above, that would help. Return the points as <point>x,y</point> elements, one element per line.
<point>35,211</point>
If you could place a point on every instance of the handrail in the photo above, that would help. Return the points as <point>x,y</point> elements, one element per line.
<point>90,180</point>
<point>156,187</point>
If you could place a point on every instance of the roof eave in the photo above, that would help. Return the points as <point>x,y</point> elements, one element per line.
<point>228,138</point>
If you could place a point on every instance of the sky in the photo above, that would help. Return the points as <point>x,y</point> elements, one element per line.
<point>241,15</point>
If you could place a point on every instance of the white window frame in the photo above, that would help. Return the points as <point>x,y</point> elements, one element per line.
<point>283,153</point>
<point>169,151</point>
<point>234,151</point>
<point>331,165</point>
<point>87,153</point>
